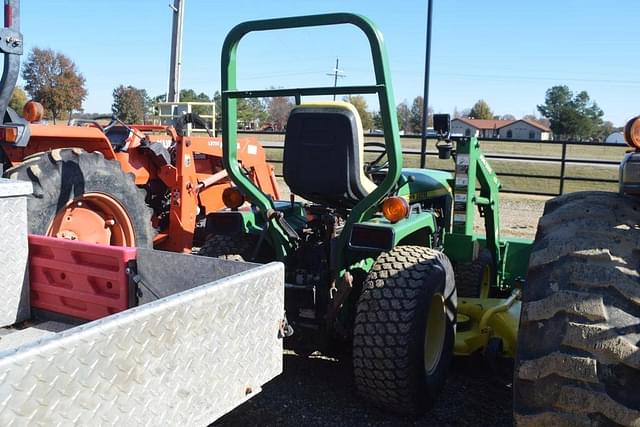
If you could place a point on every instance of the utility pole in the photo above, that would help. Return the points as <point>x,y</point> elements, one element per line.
<point>173,95</point>
<point>336,72</point>
<point>425,98</point>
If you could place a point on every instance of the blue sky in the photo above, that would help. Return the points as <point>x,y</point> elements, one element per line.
<point>506,52</point>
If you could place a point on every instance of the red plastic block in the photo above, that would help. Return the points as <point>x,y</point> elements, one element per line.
<point>78,279</point>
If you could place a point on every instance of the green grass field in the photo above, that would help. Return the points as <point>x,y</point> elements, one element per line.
<point>523,184</point>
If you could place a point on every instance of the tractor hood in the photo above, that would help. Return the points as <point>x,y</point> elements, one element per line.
<point>425,184</point>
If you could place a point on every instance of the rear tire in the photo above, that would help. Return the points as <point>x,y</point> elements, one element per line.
<point>471,277</point>
<point>63,175</point>
<point>578,361</point>
<point>405,329</point>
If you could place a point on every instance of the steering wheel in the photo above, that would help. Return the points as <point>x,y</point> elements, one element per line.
<point>94,122</point>
<point>113,121</point>
<point>375,165</point>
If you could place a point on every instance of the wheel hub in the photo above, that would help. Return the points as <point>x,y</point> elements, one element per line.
<point>96,218</point>
<point>435,332</point>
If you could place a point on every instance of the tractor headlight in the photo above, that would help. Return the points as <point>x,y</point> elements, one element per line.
<point>630,166</point>
<point>395,208</point>
<point>632,132</point>
<point>232,198</point>
<point>33,111</point>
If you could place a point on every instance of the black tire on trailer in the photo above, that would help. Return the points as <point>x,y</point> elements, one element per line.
<point>233,247</point>
<point>404,330</point>
<point>475,279</point>
<point>61,176</point>
<point>578,360</point>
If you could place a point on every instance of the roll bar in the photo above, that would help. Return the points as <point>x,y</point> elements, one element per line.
<point>382,88</point>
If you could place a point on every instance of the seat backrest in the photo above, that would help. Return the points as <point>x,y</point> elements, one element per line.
<point>324,154</point>
<point>118,136</point>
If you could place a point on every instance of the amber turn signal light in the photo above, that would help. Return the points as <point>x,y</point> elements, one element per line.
<point>33,111</point>
<point>632,132</point>
<point>232,198</point>
<point>395,208</point>
<point>8,134</point>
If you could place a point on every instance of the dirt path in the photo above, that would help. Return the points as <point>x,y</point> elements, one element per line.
<point>519,215</point>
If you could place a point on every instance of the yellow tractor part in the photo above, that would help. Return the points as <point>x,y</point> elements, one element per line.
<point>480,319</point>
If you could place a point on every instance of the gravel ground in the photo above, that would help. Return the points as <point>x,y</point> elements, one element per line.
<point>519,215</point>
<point>318,391</point>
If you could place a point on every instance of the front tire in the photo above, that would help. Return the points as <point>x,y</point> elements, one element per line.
<point>405,329</point>
<point>78,195</point>
<point>578,360</point>
<point>232,247</point>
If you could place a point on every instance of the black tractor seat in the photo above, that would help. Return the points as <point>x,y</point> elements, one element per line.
<point>324,154</point>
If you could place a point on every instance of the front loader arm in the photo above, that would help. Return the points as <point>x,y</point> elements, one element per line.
<point>473,171</point>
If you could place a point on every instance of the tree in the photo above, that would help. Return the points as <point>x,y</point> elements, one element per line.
<point>18,99</point>
<point>606,129</point>
<point>130,104</point>
<point>417,110</point>
<point>278,110</point>
<point>571,116</point>
<point>506,117</point>
<point>457,114</point>
<point>360,103</point>
<point>53,80</point>
<point>251,110</point>
<point>481,110</point>
<point>190,95</point>
<point>217,100</point>
<point>377,121</point>
<point>404,116</point>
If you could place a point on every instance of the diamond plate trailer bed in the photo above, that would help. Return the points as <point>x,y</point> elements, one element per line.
<point>107,335</point>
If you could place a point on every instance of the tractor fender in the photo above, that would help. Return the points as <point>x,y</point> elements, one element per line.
<point>234,222</point>
<point>381,235</point>
<point>45,138</point>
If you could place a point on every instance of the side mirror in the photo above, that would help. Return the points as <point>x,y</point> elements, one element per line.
<point>442,125</point>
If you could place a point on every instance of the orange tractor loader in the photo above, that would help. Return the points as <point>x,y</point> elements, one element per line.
<point>124,185</point>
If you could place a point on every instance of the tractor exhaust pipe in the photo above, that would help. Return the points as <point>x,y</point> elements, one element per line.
<point>11,46</point>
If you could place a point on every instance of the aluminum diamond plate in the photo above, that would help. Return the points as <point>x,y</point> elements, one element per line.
<point>13,251</point>
<point>185,360</point>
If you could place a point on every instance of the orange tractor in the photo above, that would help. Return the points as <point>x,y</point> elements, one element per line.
<point>123,185</point>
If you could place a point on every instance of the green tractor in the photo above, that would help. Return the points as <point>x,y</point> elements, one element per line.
<point>386,258</point>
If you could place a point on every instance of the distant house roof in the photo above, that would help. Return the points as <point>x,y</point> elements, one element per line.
<point>497,124</point>
<point>535,124</point>
<point>485,124</point>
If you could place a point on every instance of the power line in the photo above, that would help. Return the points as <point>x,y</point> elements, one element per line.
<point>336,72</point>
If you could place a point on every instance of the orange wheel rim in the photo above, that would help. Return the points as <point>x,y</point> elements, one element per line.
<point>96,218</point>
